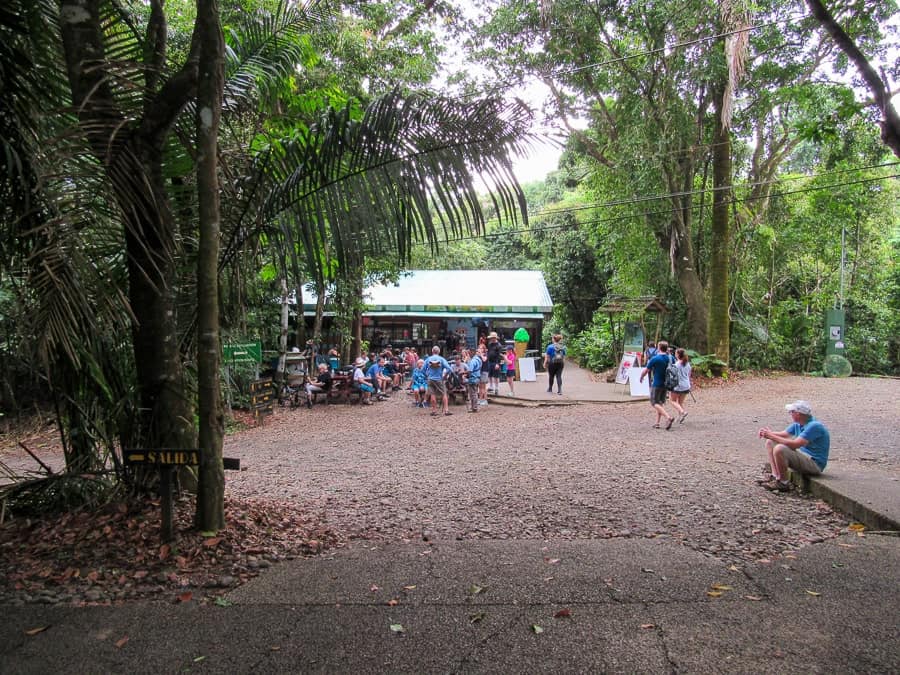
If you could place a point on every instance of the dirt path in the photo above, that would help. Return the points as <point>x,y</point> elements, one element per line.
<point>590,471</point>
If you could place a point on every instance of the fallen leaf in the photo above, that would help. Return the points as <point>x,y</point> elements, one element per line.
<point>714,594</point>
<point>164,551</point>
<point>646,570</point>
<point>856,527</point>
<point>223,602</point>
<point>121,642</point>
<point>199,659</point>
<point>476,617</point>
<point>274,648</point>
<point>398,628</point>
<point>373,588</point>
<point>721,587</point>
<point>734,568</point>
<point>537,629</point>
<point>755,598</point>
<point>564,613</point>
<point>393,602</point>
<point>35,631</point>
<point>185,597</point>
<point>645,626</point>
<point>140,574</point>
<point>409,588</point>
<point>475,589</point>
<point>212,541</point>
<point>847,545</point>
<point>552,561</point>
<point>813,593</point>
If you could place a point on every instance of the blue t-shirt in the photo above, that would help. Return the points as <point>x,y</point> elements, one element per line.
<point>435,366</point>
<point>657,365</point>
<point>474,368</point>
<point>418,377</point>
<point>373,372</point>
<point>818,440</point>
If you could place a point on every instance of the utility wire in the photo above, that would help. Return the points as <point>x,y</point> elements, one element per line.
<point>651,198</point>
<point>646,214</point>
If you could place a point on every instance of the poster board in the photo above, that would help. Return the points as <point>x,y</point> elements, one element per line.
<point>526,370</point>
<point>629,360</point>
<point>638,388</point>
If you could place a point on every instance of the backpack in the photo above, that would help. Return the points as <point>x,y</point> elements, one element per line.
<point>559,354</point>
<point>672,376</point>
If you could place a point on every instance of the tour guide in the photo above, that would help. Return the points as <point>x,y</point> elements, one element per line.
<point>803,447</point>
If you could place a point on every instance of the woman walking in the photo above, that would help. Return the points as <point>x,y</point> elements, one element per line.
<point>554,360</point>
<point>683,388</point>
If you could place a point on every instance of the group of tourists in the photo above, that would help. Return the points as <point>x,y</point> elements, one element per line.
<point>670,378</point>
<point>476,371</point>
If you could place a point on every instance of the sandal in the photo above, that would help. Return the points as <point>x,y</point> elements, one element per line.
<point>434,414</point>
<point>656,426</point>
<point>447,413</point>
<point>669,423</point>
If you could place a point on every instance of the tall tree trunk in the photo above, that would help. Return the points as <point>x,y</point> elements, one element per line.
<point>282,337</point>
<point>719,322</point>
<point>132,155</point>
<point>210,514</point>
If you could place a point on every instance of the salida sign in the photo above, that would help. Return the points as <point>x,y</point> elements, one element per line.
<point>163,457</point>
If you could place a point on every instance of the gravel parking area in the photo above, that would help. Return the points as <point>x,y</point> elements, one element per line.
<point>390,471</point>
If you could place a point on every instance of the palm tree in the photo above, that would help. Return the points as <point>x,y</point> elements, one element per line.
<point>114,260</point>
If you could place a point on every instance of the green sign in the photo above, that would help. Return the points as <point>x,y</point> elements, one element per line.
<point>243,352</point>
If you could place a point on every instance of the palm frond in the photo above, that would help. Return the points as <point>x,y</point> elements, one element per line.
<point>405,172</point>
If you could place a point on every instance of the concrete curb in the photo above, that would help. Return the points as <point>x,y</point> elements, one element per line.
<point>819,486</point>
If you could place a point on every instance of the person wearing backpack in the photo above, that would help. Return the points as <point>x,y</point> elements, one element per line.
<point>657,367</point>
<point>682,386</point>
<point>554,361</point>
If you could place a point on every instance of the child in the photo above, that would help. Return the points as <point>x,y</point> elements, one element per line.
<point>510,369</point>
<point>419,384</point>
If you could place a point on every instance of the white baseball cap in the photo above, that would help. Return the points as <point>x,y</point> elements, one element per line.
<point>802,407</point>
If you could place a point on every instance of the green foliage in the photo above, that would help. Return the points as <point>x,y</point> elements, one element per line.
<point>593,347</point>
<point>708,365</point>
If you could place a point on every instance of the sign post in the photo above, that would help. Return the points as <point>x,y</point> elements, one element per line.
<point>165,460</point>
<point>261,395</point>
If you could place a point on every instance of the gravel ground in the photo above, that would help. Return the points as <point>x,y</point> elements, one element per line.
<point>391,471</point>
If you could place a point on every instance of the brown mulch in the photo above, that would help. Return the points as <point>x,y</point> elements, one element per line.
<point>115,554</point>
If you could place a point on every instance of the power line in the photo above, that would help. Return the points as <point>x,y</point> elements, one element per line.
<point>686,193</point>
<point>646,214</point>
<point>505,84</point>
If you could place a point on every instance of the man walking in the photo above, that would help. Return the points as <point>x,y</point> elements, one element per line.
<point>657,367</point>
<point>436,371</point>
<point>803,447</point>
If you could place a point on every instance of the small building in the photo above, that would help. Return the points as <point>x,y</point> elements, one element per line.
<point>455,307</point>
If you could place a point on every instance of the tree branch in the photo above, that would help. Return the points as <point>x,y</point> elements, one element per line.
<point>890,123</point>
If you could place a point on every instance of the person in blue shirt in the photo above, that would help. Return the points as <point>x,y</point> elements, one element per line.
<point>419,384</point>
<point>803,447</point>
<point>436,371</point>
<point>473,381</point>
<point>657,367</point>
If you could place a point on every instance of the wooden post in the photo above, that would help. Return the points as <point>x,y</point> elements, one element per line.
<point>166,502</point>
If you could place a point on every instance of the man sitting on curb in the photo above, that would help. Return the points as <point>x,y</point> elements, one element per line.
<point>802,447</point>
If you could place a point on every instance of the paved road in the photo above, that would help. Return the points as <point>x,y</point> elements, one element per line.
<point>632,606</point>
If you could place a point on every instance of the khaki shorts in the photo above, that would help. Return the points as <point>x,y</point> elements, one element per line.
<point>437,388</point>
<point>801,462</point>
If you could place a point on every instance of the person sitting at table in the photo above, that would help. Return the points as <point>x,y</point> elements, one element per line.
<point>391,370</point>
<point>361,383</point>
<point>321,385</point>
<point>378,379</point>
